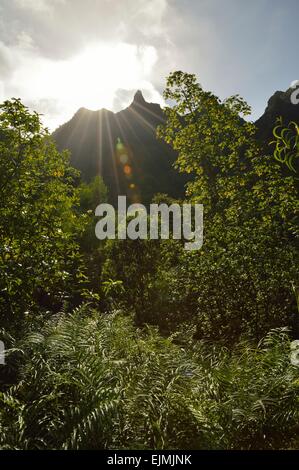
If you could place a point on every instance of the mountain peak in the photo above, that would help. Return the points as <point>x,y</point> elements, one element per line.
<point>138,98</point>
<point>279,105</point>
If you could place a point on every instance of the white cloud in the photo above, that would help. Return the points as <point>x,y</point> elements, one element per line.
<point>41,6</point>
<point>59,55</point>
<point>42,39</point>
<point>89,79</point>
<point>2,95</point>
<point>150,16</point>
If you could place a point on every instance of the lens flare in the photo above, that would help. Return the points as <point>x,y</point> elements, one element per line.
<point>127,170</point>
<point>124,158</point>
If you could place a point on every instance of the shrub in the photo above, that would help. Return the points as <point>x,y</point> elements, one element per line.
<point>94,381</point>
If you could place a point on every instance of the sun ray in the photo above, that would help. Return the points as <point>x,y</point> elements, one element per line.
<point>112,153</point>
<point>142,119</point>
<point>149,111</point>
<point>80,118</point>
<point>99,143</point>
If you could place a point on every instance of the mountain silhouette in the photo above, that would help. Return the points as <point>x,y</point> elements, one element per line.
<point>279,105</point>
<point>123,148</point>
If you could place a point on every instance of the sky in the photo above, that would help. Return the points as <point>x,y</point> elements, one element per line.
<point>60,55</point>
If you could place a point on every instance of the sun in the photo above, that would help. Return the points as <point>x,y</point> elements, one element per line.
<point>92,77</point>
<point>99,71</point>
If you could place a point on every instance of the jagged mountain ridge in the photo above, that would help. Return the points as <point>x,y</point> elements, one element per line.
<point>122,147</point>
<point>279,105</point>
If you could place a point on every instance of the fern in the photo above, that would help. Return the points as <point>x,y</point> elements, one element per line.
<point>94,381</point>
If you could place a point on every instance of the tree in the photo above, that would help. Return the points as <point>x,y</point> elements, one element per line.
<point>244,271</point>
<point>211,139</point>
<point>90,196</point>
<point>39,253</point>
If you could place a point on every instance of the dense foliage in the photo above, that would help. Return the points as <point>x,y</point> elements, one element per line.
<point>39,251</point>
<point>91,381</point>
<point>169,348</point>
<point>240,282</point>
